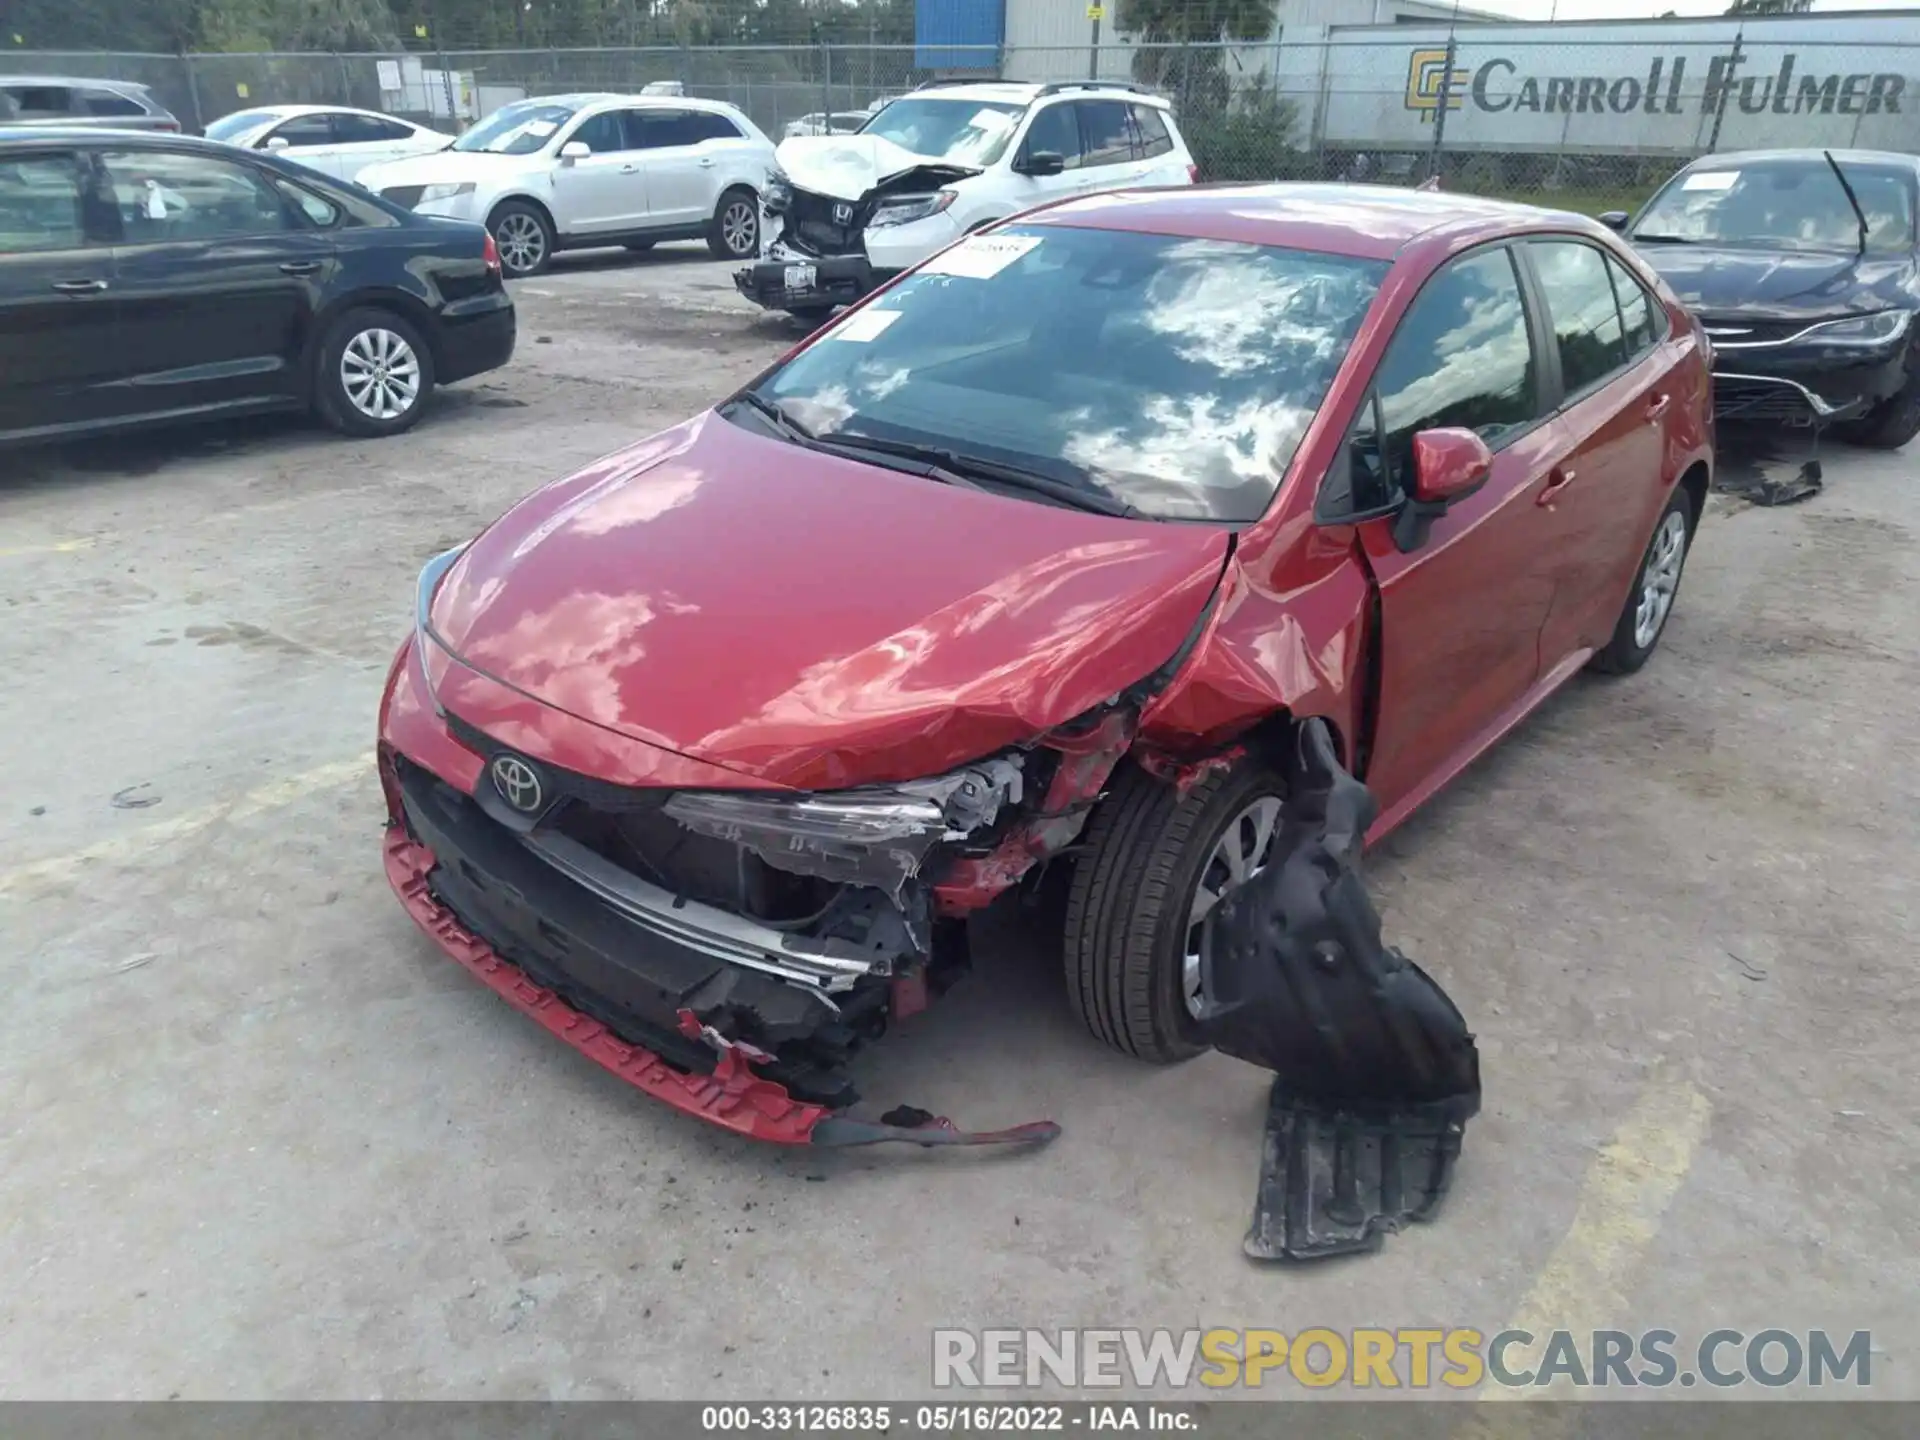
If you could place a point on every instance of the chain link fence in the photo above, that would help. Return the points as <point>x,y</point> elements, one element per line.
<point>1583,125</point>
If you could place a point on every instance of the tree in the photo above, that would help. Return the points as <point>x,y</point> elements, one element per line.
<point>1769,7</point>
<point>1182,44</point>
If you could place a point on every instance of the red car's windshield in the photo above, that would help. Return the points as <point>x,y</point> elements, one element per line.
<point>1175,375</point>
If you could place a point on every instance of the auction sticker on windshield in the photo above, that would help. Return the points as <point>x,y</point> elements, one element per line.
<point>980,257</point>
<point>1711,180</point>
<point>863,325</point>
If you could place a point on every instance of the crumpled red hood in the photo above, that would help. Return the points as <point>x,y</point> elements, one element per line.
<point>811,621</point>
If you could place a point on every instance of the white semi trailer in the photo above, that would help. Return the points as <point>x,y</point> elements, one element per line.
<point>1648,87</point>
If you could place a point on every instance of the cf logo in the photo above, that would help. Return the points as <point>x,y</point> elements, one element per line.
<point>518,783</point>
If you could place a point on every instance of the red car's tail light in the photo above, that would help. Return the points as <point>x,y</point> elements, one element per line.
<point>172,125</point>
<point>490,253</point>
<point>1193,174</point>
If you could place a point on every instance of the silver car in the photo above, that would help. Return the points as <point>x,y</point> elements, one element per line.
<point>65,100</point>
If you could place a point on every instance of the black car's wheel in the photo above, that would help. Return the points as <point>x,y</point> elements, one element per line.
<point>735,232</point>
<point>1895,420</point>
<point>1656,584</point>
<point>1154,866</point>
<point>523,236</point>
<point>375,373</point>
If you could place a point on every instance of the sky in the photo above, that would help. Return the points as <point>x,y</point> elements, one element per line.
<point>1635,9</point>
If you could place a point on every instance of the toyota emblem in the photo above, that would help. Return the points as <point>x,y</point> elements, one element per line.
<point>843,214</point>
<point>518,784</point>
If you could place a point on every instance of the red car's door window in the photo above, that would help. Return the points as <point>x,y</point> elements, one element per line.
<point>1617,393</point>
<point>1644,317</point>
<point>1461,614</point>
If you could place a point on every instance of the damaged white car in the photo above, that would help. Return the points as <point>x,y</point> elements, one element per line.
<point>845,213</point>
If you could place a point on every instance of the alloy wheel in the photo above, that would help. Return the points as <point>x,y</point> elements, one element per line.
<point>739,228</point>
<point>380,374</point>
<point>522,243</point>
<point>1242,852</point>
<point>1660,579</point>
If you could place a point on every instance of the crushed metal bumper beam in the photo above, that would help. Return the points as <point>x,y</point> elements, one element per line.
<point>731,1096</point>
<point>1375,1072</point>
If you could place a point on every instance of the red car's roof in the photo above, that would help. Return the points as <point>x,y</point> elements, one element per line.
<point>1370,221</point>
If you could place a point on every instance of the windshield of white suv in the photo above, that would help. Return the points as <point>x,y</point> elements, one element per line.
<point>969,132</point>
<point>1791,204</point>
<point>1170,375</point>
<point>231,127</point>
<point>517,129</point>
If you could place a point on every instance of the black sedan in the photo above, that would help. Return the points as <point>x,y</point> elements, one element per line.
<point>1804,267</point>
<point>149,278</point>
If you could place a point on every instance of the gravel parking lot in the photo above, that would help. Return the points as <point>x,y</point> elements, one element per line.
<point>259,1138</point>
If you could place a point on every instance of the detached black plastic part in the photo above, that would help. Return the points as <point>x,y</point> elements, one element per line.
<point>1375,1072</point>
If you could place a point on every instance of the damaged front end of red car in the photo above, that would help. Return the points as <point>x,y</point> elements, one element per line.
<point>728,950</point>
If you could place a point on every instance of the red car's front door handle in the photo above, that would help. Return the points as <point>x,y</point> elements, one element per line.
<point>1558,479</point>
<point>1656,407</point>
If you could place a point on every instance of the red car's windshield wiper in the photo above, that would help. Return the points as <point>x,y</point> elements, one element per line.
<point>774,414</point>
<point>949,467</point>
<point>791,429</point>
<point>1080,496</point>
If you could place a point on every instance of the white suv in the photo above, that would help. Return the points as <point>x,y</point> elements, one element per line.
<point>570,172</point>
<point>855,210</point>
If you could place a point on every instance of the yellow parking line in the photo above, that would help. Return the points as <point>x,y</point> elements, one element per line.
<point>59,547</point>
<point>1583,1286</point>
<point>274,795</point>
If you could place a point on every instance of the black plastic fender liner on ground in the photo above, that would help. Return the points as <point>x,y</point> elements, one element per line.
<point>1375,1072</point>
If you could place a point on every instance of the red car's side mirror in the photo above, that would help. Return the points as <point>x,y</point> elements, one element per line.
<point>1448,465</point>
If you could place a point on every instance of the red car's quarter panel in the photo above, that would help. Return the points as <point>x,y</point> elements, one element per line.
<point>810,621</point>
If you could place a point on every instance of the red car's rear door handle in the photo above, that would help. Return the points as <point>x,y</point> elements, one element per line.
<point>1558,479</point>
<point>1656,407</point>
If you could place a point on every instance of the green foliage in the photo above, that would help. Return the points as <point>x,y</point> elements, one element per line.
<point>1769,7</point>
<point>1182,44</point>
<point>1169,22</point>
<point>1248,139</point>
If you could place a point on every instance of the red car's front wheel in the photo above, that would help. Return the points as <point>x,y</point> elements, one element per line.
<point>1156,864</point>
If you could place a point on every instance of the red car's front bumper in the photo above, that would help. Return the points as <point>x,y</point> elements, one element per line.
<point>732,1096</point>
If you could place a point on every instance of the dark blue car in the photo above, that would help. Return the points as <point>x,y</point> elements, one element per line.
<point>148,278</point>
<point>1804,267</point>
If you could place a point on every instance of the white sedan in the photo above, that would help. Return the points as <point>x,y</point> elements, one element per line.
<point>331,139</point>
<point>841,122</point>
<point>571,172</point>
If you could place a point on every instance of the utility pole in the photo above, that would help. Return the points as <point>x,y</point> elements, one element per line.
<point>1094,12</point>
<point>440,51</point>
<point>1440,110</point>
<point>1445,96</point>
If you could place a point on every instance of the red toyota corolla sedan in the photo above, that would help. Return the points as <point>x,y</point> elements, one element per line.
<point>1037,558</point>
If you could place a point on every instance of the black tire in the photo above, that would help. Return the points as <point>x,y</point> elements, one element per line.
<point>1626,652</point>
<point>352,410</point>
<point>524,237</point>
<point>1146,848</point>
<point>638,247</point>
<point>734,233</point>
<point>1895,420</point>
